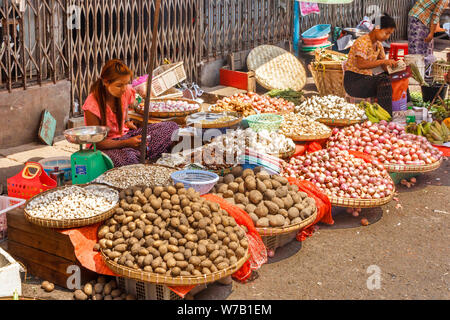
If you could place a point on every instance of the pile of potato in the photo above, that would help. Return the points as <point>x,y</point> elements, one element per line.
<point>101,289</point>
<point>268,199</point>
<point>171,231</point>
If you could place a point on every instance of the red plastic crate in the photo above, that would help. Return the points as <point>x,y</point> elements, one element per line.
<point>26,185</point>
<point>236,79</point>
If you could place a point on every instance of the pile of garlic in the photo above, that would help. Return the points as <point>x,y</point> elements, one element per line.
<point>330,107</point>
<point>74,202</point>
<point>263,141</point>
<point>295,125</point>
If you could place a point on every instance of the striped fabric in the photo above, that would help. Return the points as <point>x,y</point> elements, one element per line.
<point>428,11</point>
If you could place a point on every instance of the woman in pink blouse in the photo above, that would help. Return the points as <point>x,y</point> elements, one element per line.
<point>107,105</point>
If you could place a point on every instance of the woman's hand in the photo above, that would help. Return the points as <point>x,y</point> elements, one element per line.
<point>390,63</point>
<point>134,142</point>
<point>130,125</point>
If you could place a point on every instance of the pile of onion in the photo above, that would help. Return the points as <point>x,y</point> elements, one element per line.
<point>340,174</point>
<point>173,106</point>
<point>388,143</point>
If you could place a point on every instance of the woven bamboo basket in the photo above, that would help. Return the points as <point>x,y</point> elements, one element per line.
<point>165,77</point>
<point>170,281</point>
<point>116,169</point>
<point>276,68</point>
<point>20,299</point>
<point>310,138</point>
<point>283,155</point>
<point>67,223</point>
<point>360,203</point>
<point>172,93</point>
<point>221,125</point>
<point>319,56</point>
<point>328,81</point>
<point>413,168</point>
<point>275,241</point>
<point>439,69</point>
<point>170,114</point>
<point>222,172</point>
<point>339,122</point>
<point>268,232</point>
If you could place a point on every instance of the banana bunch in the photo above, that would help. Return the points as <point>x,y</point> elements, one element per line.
<point>435,132</point>
<point>375,113</point>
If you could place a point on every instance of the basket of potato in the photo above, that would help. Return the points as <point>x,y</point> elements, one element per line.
<point>275,206</point>
<point>172,236</point>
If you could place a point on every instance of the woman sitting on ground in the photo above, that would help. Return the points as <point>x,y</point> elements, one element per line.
<point>107,105</point>
<point>366,54</point>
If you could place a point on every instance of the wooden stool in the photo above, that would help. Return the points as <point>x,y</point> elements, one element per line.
<point>395,48</point>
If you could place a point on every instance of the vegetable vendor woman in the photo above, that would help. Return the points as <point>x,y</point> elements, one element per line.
<point>366,54</point>
<point>107,105</point>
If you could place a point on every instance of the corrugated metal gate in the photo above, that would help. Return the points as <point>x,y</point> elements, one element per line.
<point>50,40</point>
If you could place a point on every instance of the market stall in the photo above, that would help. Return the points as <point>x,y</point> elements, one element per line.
<point>268,168</point>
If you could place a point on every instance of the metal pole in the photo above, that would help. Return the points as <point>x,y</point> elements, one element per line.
<point>151,66</point>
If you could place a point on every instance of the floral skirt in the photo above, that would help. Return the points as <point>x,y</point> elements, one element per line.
<point>417,32</point>
<point>159,141</point>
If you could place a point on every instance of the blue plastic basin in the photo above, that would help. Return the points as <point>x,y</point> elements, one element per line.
<point>317,31</point>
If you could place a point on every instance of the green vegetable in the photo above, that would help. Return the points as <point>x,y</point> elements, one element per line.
<point>290,95</point>
<point>416,75</point>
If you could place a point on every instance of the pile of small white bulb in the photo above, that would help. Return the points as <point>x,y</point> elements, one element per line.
<point>73,202</point>
<point>330,107</point>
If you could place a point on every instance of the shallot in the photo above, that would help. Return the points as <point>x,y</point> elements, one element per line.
<point>388,143</point>
<point>345,176</point>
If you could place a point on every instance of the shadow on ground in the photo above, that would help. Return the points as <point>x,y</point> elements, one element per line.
<point>344,220</point>
<point>215,291</point>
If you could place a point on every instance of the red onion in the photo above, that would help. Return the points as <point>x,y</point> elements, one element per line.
<point>340,174</point>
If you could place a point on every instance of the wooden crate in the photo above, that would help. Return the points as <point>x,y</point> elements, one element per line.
<point>46,253</point>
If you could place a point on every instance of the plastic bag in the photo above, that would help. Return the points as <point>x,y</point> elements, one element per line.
<point>257,249</point>
<point>345,42</point>
<point>366,24</point>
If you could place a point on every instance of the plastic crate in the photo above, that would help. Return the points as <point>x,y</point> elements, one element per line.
<point>7,204</point>
<point>275,242</point>
<point>148,291</point>
<point>164,78</point>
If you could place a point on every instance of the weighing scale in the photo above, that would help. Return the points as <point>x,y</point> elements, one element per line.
<point>88,164</point>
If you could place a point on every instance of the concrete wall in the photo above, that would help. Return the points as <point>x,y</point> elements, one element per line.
<point>21,112</point>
